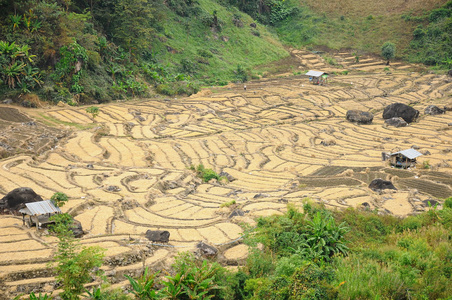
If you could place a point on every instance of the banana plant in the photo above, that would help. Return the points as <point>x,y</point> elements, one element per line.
<point>12,72</point>
<point>143,288</point>
<point>15,20</point>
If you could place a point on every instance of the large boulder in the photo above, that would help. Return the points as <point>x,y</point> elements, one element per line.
<point>433,110</point>
<point>397,122</point>
<point>206,250</point>
<point>380,184</point>
<point>401,110</point>
<point>161,236</point>
<point>16,199</point>
<point>360,117</point>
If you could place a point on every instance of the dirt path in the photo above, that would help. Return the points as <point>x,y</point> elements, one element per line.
<point>129,172</point>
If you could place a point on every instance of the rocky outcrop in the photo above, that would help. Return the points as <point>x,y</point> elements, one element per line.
<point>77,229</point>
<point>380,184</point>
<point>400,110</point>
<point>433,110</point>
<point>16,199</point>
<point>396,122</point>
<point>161,236</point>
<point>206,250</point>
<point>360,117</point>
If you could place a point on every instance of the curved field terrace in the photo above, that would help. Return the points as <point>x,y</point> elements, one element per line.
<point>282,140</point>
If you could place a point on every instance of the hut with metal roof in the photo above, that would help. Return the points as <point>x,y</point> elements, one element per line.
<point>404,159</point>
<point>39,212</point>
<point>317,77</point>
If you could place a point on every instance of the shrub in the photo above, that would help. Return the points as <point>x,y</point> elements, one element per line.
<point>388,51</point>
<point>59,199</point>
<point>205,174</point>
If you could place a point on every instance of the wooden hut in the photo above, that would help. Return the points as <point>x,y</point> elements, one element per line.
<point>317,77</point>
<point>39,212</point>
<point>404,159</point>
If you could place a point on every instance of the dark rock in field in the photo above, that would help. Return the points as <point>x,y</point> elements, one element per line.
<point>433,110</point>
<point>260,195</point>
<point>448,106</point>
<point>360,117</point>
<point>16,199</point>
<point>401,110</point>
<point>228,176</point>
<point>237,213</point>
<point>206,250</point>
<point>396,122</point>
<point>450,72</point>
<point>431,201</point>
<point>161,236</point>
<point>28,104</point>
<point>7,101</point>
<point>253,25</point>
<point>415,147</point>
<point>77,229</point>
<point>426,152</point>
<point>365,206</point>
<point>380,184</point>
<point>113,188</point>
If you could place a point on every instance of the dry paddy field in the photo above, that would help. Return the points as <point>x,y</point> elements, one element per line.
<point>281,139</point>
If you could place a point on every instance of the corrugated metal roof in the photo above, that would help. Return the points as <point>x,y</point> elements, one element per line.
<point>409,153</point>
<point>40,208</point>
<point>314,73</point>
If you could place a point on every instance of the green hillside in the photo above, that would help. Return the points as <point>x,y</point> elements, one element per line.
<point>79,51</point>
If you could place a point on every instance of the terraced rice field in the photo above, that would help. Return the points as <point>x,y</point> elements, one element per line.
<point>282,140</point>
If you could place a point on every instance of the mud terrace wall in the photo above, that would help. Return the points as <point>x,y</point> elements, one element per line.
<point>281,139</point>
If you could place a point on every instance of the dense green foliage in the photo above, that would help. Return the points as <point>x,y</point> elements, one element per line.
<point>94,51</point>
<point>85,51</point>
<point>432,39</point>
<point>308,254</point>
<point>74,265</point>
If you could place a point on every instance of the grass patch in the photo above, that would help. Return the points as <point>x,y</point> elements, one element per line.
<point>51,121</point>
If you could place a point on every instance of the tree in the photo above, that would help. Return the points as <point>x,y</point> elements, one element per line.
<point>388,51</point>
<point>59,199</point>
<point>74,264</point>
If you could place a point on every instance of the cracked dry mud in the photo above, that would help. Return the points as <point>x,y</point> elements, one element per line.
<point>129,172</point>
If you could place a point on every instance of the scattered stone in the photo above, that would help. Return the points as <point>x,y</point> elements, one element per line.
<point>380,184</point>
<point>448,106</point>
<point>8,101</point>
<point>328,142</point>
<point>396,122</point>
<point>16,199</point>
<point>415,147</point>
<point>77,229</point>
<point>206,250</point>
<point>401,110</point>
<point>426,152</point>
<point>228,176</point>
<point>260,195</point>
<point>450,72</point>
<point>90,166</point>
<point>360,117</point>
<point>433,110</point>
<point>113,188</point>
<point>431,201</point>
<point>236,213</point>
<point>161,236</point>
<point>253,25</point>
